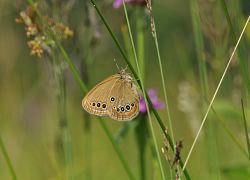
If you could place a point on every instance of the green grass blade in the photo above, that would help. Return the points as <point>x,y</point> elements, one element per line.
<point>141,131</point>
<point>140,40</point>
<point>62,114</point>
<point>228,131</point>
<point>215,93</point>
<point>72,68</point>
<point>162,76</point>
<point>126,41</point>
<point>67,146</point>
<point>242,62</point>
<point>117,149</point>
<point>7,159</point>
<point>212,152</point>
<point>246,129</point>
<point>143,90</point>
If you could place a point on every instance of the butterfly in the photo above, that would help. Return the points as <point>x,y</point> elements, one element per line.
<point>116,97</point>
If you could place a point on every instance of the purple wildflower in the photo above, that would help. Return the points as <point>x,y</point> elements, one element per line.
<point>118,3</point>
<point>158,104</point>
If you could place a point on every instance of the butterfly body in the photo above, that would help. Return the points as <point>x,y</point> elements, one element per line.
<point>116,96</point>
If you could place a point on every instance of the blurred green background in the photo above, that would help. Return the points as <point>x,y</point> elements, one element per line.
<point>29,120</point>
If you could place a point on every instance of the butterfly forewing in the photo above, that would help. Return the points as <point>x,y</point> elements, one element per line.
<point>96,102</point>
<point>115,96</point>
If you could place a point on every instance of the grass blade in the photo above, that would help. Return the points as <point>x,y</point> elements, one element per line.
<point>243,65</point>
<point>154,31</point>
<point>7,159</point>
<point>212,152</point>
<point>245,127</point>
<point>228,131</point>
<point>143,90</point>
<point>215,93</point>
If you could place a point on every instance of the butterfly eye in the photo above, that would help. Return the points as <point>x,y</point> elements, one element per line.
<point>128,107</point>
<point>112,99</point>
<point>98,104</point>
<point>122,108</point>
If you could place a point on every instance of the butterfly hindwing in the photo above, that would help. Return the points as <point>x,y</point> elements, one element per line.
<point>127,105</point>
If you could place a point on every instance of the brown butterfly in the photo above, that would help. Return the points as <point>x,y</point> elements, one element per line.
<point>116,97</point>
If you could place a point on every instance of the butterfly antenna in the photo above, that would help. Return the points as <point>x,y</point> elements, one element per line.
<point>117,65</point>
<point>126,68</point>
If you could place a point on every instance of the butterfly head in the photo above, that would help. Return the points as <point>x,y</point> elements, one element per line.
<point>124,75</point>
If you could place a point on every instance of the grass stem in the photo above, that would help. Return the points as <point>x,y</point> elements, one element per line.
<point>144,94</point>
<point>7,159</point>
<point>215,93</point>
<point>246,129</point>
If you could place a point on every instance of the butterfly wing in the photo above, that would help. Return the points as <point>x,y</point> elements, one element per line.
<point>96,101</point>
<point>127,105</point>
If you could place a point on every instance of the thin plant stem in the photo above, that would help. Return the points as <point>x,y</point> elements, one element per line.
<point>212,159</point>
<point>161,72</point>
<point>143,90</point>
<point>245,127</point>
<point>141,132</point>
<point>67,145</point>
<point>158,118</point>
<point>128,48</point>
<point>61,90</point>
<point>154,31</point>
<point>87,122</point>
<point>85,66</point>
<point>116,148</point>
<point>63,124</point>
<point>242,61</point>
<point>215,93</point>
<point>140,40</point>
<point>228,131</point>
<point>72,68</point>
<point>7,159</point>
<point>142,126</point>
